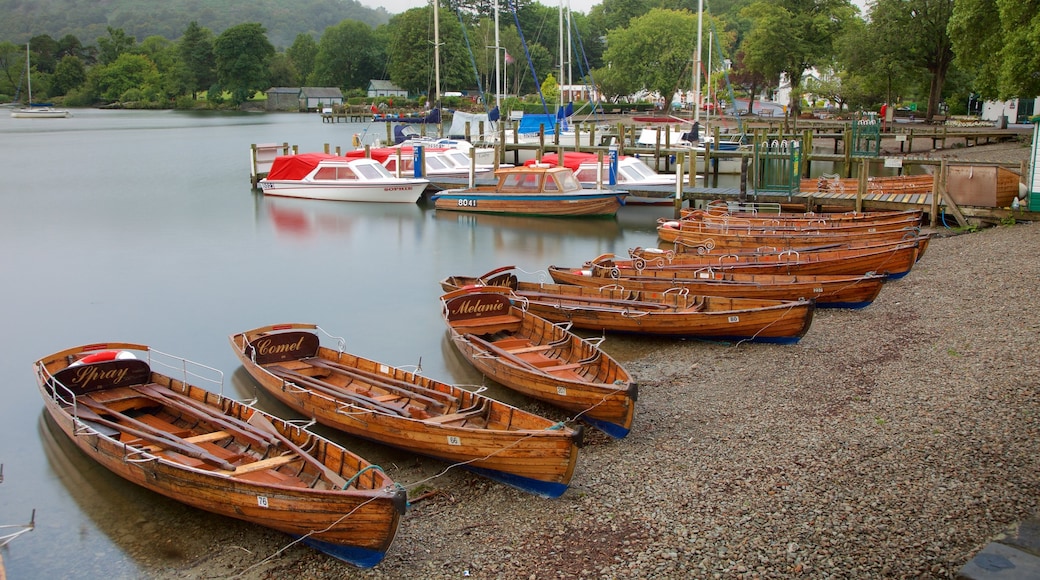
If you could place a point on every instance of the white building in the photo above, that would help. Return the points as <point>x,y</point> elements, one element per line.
<point>1016,110</point>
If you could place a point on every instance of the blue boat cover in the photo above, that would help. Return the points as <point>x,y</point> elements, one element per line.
<point>530,123</point>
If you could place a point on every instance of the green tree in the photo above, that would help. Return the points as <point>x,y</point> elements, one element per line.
<point>301,55</point>
<point>242,55</point>
<point>70,74</point>
<point>283,72</point>
<point>791,36</point>
<point>196,52</point>
<point>999,42</point>
<point>655,50</point>
<point>128,78</point>
<point>410,52</point>
<point>115,44</point>
<point>44,53</point>
<point>917,31</point>
<point>336,67</point>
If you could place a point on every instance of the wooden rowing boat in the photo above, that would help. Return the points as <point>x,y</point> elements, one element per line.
<point>216,454</point>
<point>892,258</point>
<point>540,359</point>
<point>708,223</point>
<point>682,247</point>
<point>751,239</point>
<point>537,190</point>
<point>675,313</point>
<point>722,210</point>
<point>395,407</point>
<point>835,291</point>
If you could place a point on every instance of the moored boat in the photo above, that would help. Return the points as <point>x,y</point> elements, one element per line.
<point>540,359</point>
<point>535,190</point>
<point>829,291</point>
<point>632,175</point>
<point>693,233</point>
<point>379,402</point>
<point>895,259</point>
<point>213,453</point>
<point>324,176</point>
<point>675,313</point>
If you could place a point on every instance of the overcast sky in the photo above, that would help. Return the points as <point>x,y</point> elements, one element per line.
<point>398,6</point>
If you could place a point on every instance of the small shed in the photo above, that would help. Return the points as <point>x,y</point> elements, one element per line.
<point>318,98</point>
<point>381,88</point>
<point>283,99</point>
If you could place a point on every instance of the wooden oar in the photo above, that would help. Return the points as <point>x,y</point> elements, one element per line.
<point>389,383</point>
<point>201,411</point>
<point>505,353</point>
<point>153,436</point>
<point>334,391</point>
<point>258,420</point>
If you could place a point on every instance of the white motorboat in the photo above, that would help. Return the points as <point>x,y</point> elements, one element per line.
<point>325,176</point>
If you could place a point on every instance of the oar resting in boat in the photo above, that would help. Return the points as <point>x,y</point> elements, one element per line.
<point>91,411</point>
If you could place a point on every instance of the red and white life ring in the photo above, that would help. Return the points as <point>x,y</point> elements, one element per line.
<point>104,355</point>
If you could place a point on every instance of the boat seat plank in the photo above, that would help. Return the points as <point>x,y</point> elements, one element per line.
<point>527,349</point>
<point>566,367</point>
<point>269,463</point>
<point>454,416</point>
<point>203,438</point>
<point>487,324</point>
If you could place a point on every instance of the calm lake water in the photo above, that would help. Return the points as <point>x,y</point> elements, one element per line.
<point>141,226</point>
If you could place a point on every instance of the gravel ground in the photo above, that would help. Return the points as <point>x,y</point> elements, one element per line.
<point>891,442</point>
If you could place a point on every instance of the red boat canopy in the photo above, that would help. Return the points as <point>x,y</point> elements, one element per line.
<point>296,167</point>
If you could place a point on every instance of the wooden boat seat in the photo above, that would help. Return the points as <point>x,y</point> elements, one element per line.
<point>477,410</point>
<point>203,438</point>
<point>566,367</point>
<point>488,324</point>
<point>527,349</point>
<point>269,463</point>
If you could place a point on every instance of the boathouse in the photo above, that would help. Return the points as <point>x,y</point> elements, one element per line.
<point>381,88</point>
<point>283,99</point>
<point>319,98</point>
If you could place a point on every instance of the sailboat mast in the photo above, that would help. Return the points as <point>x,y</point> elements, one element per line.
<point>697,64</point>
<point>28,74</point>
<point>498,58</point>
<point>707,75</point>
<point>562,56</point>
<point>436,53</point>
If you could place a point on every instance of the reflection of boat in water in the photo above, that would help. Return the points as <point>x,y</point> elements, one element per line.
<point>106,500</point>
<point>306,218</point>
<point>602,228</point>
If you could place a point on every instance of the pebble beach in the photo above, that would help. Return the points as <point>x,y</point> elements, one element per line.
<point>891,442</point>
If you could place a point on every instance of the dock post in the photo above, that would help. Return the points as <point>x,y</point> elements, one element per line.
<point>742,196</point>
<point>861,185</point>
<point>807,152</point>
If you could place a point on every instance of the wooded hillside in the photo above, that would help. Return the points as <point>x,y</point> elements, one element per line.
<point>89,19</point>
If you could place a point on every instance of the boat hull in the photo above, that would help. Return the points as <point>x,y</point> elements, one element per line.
<point>397,193</point>
<point>314,514</point>
<point>828,291</point>
<point>42,113</point>
<point>895,260</point>
<point>579,204</point>
<point>524,450</point>
<point>671,314</point>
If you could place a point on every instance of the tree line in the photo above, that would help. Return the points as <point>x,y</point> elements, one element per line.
<point>936,52</point>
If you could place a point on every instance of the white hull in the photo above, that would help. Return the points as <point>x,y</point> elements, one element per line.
<point>40,113</point>
<point>395,193</point>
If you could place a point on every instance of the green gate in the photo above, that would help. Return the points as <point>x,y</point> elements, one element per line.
<point>866,137</point>
<point>778,166</point>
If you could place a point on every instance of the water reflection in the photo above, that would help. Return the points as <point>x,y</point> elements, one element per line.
<point>147,530</point>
